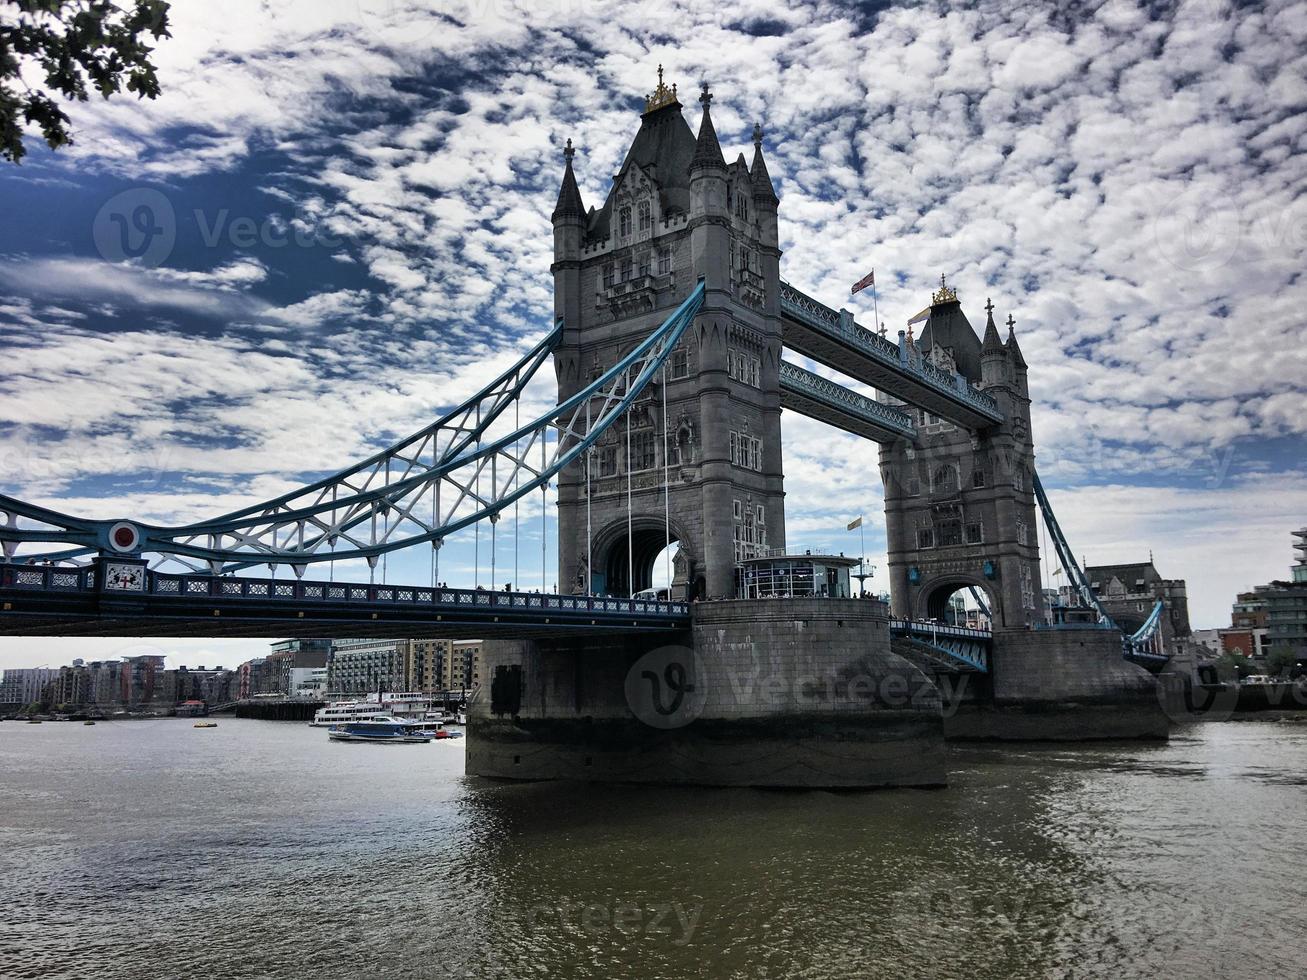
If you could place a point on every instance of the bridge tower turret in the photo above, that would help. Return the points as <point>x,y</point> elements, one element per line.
<point>960,504</point>
<point>676,213</point>
<point>994,362</point>
<point>569,220</point>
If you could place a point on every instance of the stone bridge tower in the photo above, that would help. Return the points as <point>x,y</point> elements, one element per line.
<point>676,213</point>
<point>960,505</point>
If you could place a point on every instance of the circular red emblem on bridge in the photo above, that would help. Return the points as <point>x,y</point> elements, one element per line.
<point>124,536</point>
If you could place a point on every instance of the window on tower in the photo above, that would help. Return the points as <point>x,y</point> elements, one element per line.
<point>950,534</point>
<point>646,220</point>
<point>609,274</point>
<point>664,261</point>
<point>628,268</point>
<point>645,261</point>
<point>624,221</point>
<point>608,461</point>
<point>945,479</point>
<point>680,363</point>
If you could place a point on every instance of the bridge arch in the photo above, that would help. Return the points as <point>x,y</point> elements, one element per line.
<point>648,536</point>
<point>933,596</point>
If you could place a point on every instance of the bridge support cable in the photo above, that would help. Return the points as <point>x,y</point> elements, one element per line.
<point>630,530</point>
<point>1066,557</point>
<point>667,486</point>
<point>371,509</point>
<point>589,523</point>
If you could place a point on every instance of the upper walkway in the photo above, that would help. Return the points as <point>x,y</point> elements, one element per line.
<point>834,339</point>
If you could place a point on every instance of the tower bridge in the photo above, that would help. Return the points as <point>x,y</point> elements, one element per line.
<point>671,320</point>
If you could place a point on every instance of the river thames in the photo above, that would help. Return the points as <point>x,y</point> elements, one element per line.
<point>259,849</point>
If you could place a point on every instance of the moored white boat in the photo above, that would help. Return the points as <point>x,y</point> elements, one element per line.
<point>407,707</point>
<point>379,730</point>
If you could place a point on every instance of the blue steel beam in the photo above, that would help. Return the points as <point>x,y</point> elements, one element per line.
<point>1067,557</point>
<point>389,495</point>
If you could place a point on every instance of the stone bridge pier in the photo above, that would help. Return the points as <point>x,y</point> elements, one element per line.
<point>776,692</point>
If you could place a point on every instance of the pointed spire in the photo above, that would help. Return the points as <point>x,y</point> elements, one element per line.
<point>763,190</point>
<point>707,151</point>
<point>992,343</point>
<point>1012,347</point>
<point>569,195</point>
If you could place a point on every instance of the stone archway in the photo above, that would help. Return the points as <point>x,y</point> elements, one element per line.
<point>647,537</point>
<point>932,597</point>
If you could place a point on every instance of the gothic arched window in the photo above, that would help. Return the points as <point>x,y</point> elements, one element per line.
<point>646,221</point>
<point>624,220</point>
<point>945,478</point>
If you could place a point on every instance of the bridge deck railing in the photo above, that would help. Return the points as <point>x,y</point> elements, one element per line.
<point>940,629</point>
<point>56,579</point>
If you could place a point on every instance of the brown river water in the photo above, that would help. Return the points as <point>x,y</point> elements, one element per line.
<point>259,849</point>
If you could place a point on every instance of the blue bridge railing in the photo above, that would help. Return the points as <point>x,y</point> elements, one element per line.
<point>164,585</point>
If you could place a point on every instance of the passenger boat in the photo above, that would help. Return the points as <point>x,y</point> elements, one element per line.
<point>378,730</point>
<point>205,724</point>
<point>407,706</point>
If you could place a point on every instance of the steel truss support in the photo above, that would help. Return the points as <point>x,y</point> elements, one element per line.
<point>452,474</point>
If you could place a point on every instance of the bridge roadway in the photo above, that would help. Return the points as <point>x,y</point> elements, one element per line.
<point>834,339</point>
<point>53,601</point>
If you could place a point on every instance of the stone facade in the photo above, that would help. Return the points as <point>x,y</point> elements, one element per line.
<point>1129,592</point>
<point>960,505</point>
<point>1064,684</point>
<point>675,213</point>
<point>777,692</point>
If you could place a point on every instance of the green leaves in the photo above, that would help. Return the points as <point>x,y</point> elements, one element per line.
<point>78,45</point>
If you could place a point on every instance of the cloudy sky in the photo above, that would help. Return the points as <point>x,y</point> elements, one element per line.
<point>352,202</point>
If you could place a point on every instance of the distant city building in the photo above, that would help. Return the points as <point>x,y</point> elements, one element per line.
<point>25,685</point>
<point>308,682</point>
<point>1244,642</point>
<point>1129,592</point>
<point>258,677</point>
<point>359,666</point>
<point>143,679</point>
<point>289,655</point>
<point>1279,607</point>
<point>438,665</point>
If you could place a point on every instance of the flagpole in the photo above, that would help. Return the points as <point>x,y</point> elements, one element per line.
<point>875,304</point>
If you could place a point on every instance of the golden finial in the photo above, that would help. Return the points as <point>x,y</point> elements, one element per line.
<point>945,294</point>
<point>661,96</point>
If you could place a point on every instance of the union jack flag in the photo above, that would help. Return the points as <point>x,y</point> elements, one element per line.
<point>868,280</point>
